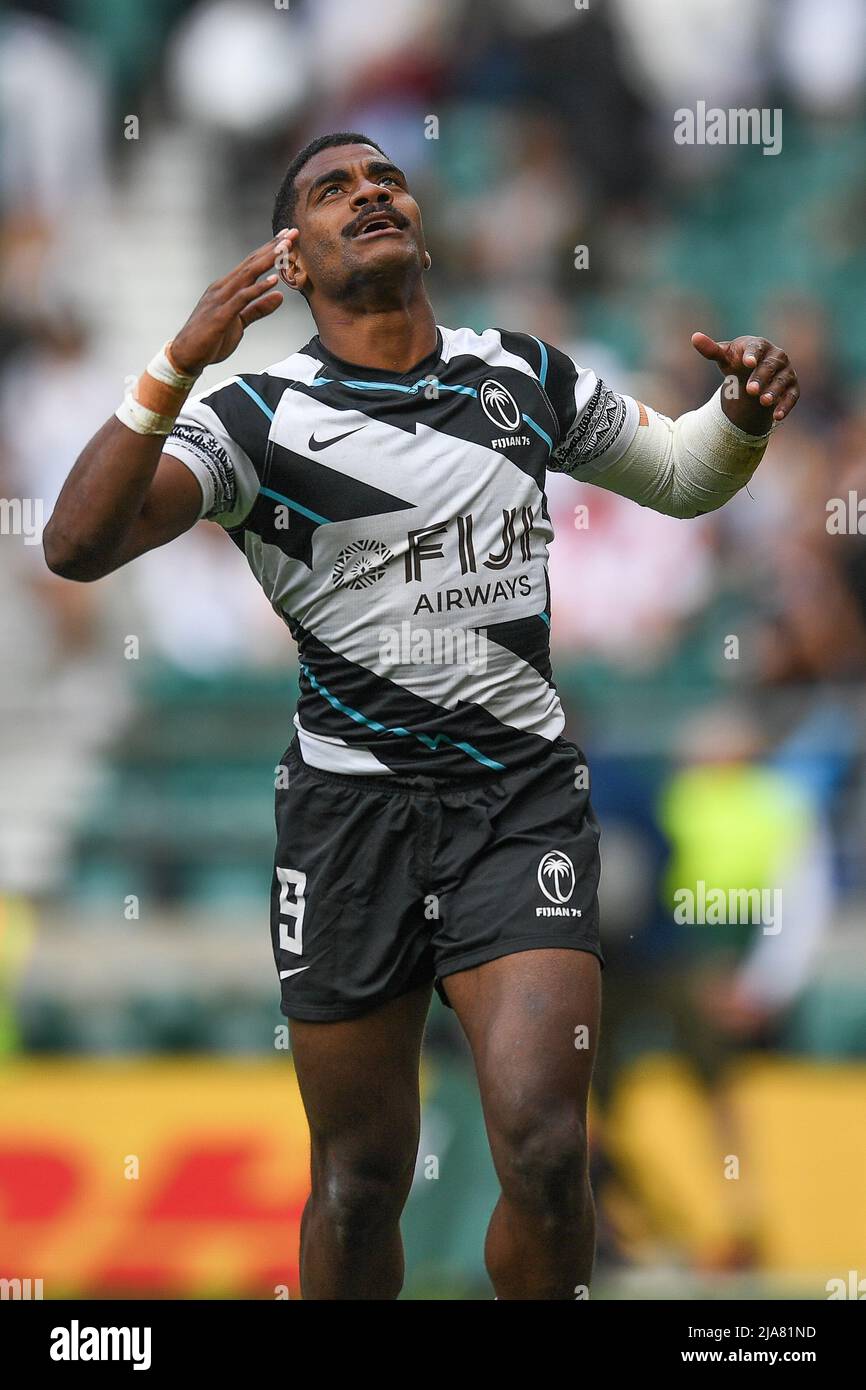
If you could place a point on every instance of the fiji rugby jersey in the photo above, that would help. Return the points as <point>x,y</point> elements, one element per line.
<point>397,522</point>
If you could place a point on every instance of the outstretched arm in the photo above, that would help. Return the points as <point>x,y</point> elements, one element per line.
<point>124,496</point>
<point>694,464</point>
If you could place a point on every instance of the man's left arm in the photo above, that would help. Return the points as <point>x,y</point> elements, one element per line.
<point>694,464</point>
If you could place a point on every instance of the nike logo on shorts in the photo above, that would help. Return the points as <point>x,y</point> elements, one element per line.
<point>284,974</point>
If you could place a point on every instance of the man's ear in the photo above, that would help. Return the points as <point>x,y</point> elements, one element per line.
<point>291,272</point>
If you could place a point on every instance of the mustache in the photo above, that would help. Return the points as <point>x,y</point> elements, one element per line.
<point>399,219</point>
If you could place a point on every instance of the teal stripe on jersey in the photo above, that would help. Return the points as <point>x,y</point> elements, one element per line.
<point>396,386</point>
<point>429,742</point>
<point>539,431</point>
<point>462,390</point>
<point>380,386</point>
<point>254,395</point>
<point>542,372</point>
<point>295,506</point>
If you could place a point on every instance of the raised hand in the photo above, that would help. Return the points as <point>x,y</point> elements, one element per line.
<point>228,307</point>
<point>768,388</point>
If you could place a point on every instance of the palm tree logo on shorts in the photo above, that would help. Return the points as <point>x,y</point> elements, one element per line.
<point>558,871</point>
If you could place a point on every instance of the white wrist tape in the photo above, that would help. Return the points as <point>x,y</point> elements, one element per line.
<point>683,467</point>
<point>161,368</point>
<point>154,403</point>
<point>137,417</point>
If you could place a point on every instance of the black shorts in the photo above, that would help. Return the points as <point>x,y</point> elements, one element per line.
<point>382,884</point>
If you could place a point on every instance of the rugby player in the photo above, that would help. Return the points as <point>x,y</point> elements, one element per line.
<point>386,483</point>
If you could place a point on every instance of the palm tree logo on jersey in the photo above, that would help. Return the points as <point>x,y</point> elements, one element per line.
<point>360,564</point>
<point>499,405</point>
<point>558,870</point>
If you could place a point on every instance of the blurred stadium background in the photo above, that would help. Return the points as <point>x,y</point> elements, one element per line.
<point>713,670</point>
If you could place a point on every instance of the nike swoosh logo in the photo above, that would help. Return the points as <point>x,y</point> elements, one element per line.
<point>284,974</point>
<point>315,443</point>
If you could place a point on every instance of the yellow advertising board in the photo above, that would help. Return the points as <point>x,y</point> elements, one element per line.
<point>177,1178</point>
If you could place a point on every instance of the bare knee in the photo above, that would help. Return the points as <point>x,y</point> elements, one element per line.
<point>359,1195</point>
<point>542,1161</point>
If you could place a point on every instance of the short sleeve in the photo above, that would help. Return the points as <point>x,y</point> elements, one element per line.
<point>596,424</point>
<point>225,472</point>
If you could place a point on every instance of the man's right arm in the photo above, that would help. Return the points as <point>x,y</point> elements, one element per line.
<point>122,498</point>
<point>124,495</point>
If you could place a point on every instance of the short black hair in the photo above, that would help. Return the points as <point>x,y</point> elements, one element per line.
<point>284,204</point>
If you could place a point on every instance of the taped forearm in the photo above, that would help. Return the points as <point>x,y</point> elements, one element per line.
<point>154,402</point>
<point>682,467</point>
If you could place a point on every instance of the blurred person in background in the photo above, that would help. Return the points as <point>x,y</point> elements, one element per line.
<point>53,172</point>
<point>751,838</point>
<point>54,386</point>
<point>737,826</point>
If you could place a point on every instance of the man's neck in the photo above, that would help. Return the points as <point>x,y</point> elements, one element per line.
<point>391,339</point>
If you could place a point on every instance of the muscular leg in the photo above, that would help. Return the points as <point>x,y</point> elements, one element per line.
<point>359,1085</point>
<point>520,1014</point>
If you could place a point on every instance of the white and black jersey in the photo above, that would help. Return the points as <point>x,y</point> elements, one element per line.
<point>397,522</point>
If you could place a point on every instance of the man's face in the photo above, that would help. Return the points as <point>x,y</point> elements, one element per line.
<point>359,226</point>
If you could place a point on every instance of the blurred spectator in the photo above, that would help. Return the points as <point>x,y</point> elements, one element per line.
<point>53,177</point>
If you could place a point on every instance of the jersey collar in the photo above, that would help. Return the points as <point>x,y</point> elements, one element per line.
<point>426,367</point>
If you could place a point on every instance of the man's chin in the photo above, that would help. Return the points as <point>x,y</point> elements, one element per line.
<point>383,246</point>
<point>386,261</point>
